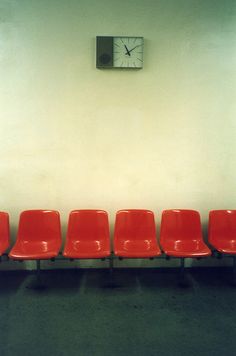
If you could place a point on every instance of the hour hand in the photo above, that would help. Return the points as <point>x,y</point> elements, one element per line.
<point>127,51</point>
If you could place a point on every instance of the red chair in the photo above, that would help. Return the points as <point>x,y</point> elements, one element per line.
<point>181,236</point>
<point>38,237</point>
<point>222,233</point>
<point>135,234</point>
<point>4,232</point>
<point>87,235</point>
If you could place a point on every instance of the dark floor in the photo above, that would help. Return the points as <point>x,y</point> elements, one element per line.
<point>145,313</point>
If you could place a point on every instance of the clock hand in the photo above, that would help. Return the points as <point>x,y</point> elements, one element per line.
<point>134,48</point>
<point>127,51</point>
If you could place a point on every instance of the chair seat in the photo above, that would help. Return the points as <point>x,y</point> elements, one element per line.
<point>225,246</point>
<point>31,250</point>
<point>87,249</point>
<point>137,248</point>
<point>186,248</point>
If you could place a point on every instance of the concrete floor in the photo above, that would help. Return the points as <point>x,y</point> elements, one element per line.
<point>144,313</point>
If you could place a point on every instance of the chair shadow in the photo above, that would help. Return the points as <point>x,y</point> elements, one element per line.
<point>119,279</point>
<point>162,278</point>
<point>215,277</point>
<point>124,278</point>
<point>11,281</point>
<point>65,281</point>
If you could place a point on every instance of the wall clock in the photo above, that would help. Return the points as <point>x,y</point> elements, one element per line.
<point>119,52</point>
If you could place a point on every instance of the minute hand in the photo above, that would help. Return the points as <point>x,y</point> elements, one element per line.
<point>127,51</point>
<point>134,48</point>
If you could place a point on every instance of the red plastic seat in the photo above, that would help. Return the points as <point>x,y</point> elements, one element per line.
<point>135,234</point>
<point>87,234</point>
<point>4,232</point>
<point>181,234</point>
<point>38,237</point>
<point>222,230</point>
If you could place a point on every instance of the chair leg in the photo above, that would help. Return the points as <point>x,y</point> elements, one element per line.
<point>110,283</point>
<point>234,270</point>
<point>38,275</point>
<point>111,269</point>
<point>38,284</point>
<point>183,281</point>
<point>182,268</point>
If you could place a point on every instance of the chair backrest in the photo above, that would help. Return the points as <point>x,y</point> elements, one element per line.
<point>88,225</point>
<point>180,224</point>
<point>222,225</point>
<point>39,225</point>
<point>4,229</point>
<point>134,224</point>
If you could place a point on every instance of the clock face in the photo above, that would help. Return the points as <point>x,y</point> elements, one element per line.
<point>128,52</point>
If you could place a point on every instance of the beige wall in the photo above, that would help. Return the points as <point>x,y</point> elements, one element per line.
<point>73,136</point>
